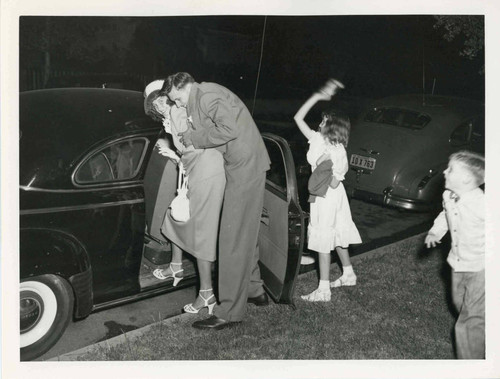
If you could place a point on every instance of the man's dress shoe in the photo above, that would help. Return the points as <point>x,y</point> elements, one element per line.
<point>213,322</point>
<point>260,300</point>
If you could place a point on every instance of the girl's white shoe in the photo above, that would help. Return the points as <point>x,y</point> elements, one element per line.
<point>344,281</point>
<point>318,295</point>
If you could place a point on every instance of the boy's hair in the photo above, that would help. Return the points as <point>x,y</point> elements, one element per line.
<point>337,127</point>
<point>177,80</point>
<point>473,162</point>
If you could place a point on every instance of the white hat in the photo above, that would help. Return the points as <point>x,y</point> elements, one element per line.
<point>153,86</point>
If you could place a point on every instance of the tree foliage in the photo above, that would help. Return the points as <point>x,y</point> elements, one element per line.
<point>76,43</point>
<point>471,28</point>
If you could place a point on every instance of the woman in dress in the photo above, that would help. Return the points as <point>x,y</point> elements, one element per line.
<point>205,170</point>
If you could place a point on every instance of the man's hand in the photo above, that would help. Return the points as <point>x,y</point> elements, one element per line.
<point>431,240</point>
<point>185,138</point>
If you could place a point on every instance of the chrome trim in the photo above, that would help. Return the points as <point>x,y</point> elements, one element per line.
<point>114,187</point>
<point>369,151</point>
<point>148,291</point>
<point>390,200</point>
<point>79,207</point>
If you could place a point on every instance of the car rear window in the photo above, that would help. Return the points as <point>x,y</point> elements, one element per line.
<point>398,117</point>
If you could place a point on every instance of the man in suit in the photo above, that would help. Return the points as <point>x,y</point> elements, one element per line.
<point>219,119</point>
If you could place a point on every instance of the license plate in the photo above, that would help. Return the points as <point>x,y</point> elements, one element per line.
<point>363,162</point>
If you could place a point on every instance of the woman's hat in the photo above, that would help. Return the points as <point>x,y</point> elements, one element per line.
<point>153,86</point>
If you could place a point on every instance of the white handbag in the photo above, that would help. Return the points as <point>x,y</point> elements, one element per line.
<point>179,207</point>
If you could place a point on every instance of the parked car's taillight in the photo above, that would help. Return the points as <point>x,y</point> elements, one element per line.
<point>427,178</point>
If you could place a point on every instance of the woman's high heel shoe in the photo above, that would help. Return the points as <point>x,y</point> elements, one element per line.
<point>158,273</point>
<point>189,308</point>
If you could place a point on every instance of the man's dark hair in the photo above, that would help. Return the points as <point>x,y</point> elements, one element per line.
<point>178,80</point>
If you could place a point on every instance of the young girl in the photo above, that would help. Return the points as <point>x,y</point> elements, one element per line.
<point>330,224</point>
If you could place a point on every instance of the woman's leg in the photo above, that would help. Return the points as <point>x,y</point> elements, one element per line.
<point>176,261</point>
<point>206,290</point>
<point>176,254</point>
<point>205,271</point>
<point>174,269</point>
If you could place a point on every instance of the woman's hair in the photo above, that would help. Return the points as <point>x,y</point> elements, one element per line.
<point>149,107</point>
<point>337,127</point>
<point>178,80</point>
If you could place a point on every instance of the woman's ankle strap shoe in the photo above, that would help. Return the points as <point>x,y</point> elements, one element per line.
<point>189,308</point>
<point>158,273</point>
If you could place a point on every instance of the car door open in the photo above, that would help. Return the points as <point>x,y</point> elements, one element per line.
<point>282,227</point>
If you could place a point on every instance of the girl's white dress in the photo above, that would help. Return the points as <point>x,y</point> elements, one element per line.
<point>330,223</point>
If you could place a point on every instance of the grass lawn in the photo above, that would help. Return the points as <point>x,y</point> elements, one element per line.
<point>399,309</point>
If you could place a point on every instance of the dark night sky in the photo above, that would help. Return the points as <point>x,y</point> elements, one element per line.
<point>374,55</point>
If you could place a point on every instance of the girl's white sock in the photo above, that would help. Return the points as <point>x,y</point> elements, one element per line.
<point>348,270</point>
<point>324,285</point>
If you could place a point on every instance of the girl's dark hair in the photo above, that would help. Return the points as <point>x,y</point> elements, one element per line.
<point>178,80</point>
<point>337,127</point>
<point>149,108</point>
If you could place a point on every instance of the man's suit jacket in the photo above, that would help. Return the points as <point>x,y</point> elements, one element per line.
<point>220,119</point>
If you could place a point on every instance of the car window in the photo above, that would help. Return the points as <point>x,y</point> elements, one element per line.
<point>398,117</point>
<point>478,129</point>
<point>460,136</point>
<point>117,162</point>
<point>276,175</point>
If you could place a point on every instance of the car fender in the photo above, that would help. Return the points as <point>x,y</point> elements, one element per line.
<point>428,185</point>
<point>47,251</point>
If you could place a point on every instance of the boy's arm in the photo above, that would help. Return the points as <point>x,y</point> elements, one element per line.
<point>438,230</point>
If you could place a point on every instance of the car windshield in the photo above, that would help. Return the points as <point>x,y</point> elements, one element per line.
<point>398,117</point>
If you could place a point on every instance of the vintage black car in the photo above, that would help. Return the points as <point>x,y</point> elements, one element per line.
<point>399,148</point>
<point>93,193</point>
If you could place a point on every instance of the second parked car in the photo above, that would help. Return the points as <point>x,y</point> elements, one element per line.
<point>399,148</point>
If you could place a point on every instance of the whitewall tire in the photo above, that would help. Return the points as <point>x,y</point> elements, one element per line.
<point>46,306</point>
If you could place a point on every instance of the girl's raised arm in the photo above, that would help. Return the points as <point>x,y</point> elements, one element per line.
<point>325,93</point>
<point>304,110</point>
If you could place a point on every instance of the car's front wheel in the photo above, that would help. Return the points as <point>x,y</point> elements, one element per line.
<point>46,306</point>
